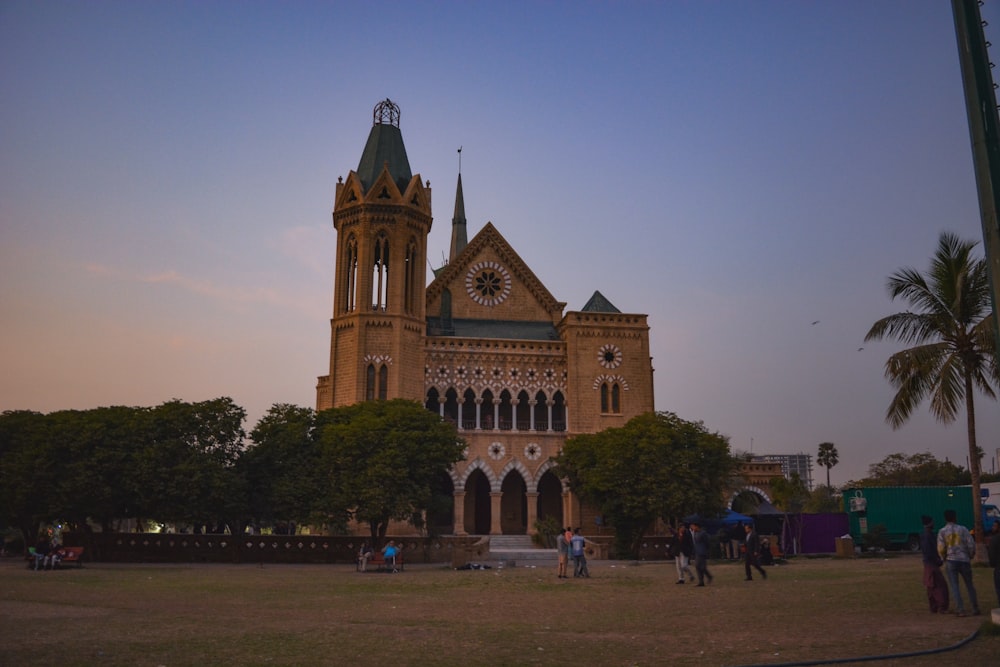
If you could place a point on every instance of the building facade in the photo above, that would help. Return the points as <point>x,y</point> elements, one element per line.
<point>483,344</point>
<point>800,464</point>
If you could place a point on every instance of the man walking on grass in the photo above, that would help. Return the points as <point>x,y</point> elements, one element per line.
<point>752,555</point>
<point>957,548</point>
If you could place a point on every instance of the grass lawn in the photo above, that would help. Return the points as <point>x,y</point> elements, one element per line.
<point>170,615</point>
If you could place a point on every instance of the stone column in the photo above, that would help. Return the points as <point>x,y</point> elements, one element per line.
<point>459,510</point>
<point>532,511</point>
<point>495,497</point>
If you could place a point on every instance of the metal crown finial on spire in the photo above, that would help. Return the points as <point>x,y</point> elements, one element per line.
<point>386,112</point>
<point>459,159</point>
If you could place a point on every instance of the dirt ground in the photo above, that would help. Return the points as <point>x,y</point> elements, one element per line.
<point>625,614</point>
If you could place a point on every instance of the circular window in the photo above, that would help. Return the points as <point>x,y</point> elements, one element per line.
<point>609,356</point>
<point>487,283</point>
<point>497,451</point>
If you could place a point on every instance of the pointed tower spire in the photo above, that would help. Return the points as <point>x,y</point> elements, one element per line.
<point>459,234</point>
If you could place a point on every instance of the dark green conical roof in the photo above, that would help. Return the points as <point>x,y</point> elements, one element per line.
<point>599,304</point>
<point>385,145</point>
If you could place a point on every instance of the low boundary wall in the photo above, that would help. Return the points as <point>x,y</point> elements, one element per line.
<point>209,548</point>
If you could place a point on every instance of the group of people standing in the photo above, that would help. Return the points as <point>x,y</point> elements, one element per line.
<point>954,548</point>
<point>691,541</point>
<point>571,544</point>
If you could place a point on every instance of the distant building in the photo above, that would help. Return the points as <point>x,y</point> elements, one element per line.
<point>791,463</point>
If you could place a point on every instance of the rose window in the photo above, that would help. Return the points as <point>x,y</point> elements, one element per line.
<point>487,283</point>
<point>497,451</point>
<point>609,356</point>
<point>532,451</point>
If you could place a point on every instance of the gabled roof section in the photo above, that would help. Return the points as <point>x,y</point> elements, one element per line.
<point>385,147</point>
<point>489,236</point>
<point>599,304</point>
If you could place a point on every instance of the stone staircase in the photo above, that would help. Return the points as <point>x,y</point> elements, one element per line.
<point>519,549</point>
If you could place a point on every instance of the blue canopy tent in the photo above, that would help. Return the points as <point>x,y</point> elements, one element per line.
<point>728,519</point>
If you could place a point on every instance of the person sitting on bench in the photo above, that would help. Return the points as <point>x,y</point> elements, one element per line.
<point>389,552</point>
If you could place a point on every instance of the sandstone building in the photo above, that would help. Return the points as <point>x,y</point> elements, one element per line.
<point>484,343</point>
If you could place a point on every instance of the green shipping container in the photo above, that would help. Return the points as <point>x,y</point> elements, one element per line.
<point>899,508</point>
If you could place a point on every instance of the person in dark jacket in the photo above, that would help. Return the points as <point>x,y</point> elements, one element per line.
<point>937,587</point>
<point>683,554</point>
<point>752,556</point>
<point>701,549</point>
<point>993,550</point>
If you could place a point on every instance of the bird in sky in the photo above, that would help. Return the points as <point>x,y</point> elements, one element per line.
<point>814,323</point>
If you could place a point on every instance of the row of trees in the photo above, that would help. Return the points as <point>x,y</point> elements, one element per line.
<point>373,462</point>
<point>191,463</point>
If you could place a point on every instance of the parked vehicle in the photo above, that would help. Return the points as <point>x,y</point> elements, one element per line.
<point>894,512</point>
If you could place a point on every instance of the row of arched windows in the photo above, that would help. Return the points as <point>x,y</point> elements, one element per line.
<point>499,412</point>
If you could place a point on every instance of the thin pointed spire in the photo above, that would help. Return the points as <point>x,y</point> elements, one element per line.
<point>459,234</point>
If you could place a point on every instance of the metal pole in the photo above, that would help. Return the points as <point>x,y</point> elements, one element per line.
<point>984,131</point>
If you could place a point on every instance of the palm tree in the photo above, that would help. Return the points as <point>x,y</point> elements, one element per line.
<point>827,457</point>
<point>954,349</point>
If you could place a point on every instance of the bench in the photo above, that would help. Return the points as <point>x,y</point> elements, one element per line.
<point>378,561</point>
<point>72,555</point>
<point>67,556</point>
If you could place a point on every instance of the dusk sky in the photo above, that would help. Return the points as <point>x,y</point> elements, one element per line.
<point>735,170</point>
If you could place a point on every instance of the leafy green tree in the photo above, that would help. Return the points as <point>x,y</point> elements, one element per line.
<point>656,465</point>
<point>827,457</point>
<point>954,348</point>
<point>282,467</point>
<point>31,465</point>
<point>921,469</point>
<point>823,499</point>
<point>790,495</point>
<point>383,459</point>
<point>100,446</point>
<point>186,469</point>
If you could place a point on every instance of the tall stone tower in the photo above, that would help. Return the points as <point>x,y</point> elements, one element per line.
<point>382,214</point>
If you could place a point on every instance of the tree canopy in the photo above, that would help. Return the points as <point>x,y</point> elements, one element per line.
<point>921,469</point>
<point>655,466</point>
<point>385,458</point>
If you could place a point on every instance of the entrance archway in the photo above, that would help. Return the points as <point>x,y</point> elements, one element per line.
<point>477,504</point>
<point>514,505</point>
<point>550,499</point>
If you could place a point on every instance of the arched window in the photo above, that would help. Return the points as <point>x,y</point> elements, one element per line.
<point>558,412</point>
<point>349,276</point>
<point>506,411</point>
<point>383,382</point>
<point>616,404</point>
<point>523,412</point>
<point>541,412</point>
<point>486,410</point>
<point>370,383</point>
<point>380,274</point>
<point>604,398</point>
<point>451,405</point>
<point>410,274</point>
<point>469,410</point>
<point>432,403</point>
